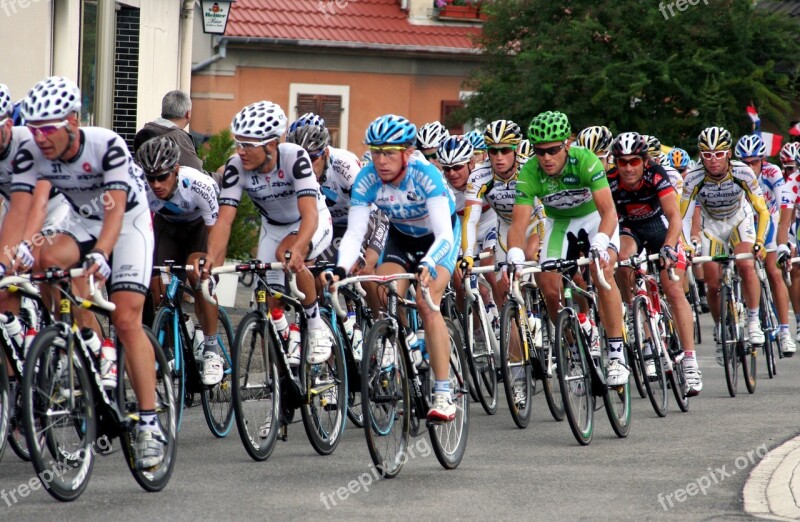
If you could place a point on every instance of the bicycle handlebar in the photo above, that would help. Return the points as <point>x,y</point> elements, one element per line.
<point>22,282</point>
<point>706,259</point>
<point>227,269</point>
<point>380,280</point>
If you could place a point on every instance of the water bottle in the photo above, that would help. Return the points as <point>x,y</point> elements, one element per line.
<point>280,323</point>
<point>535,325</point>
<point>189,328</point>
<point>354,333</point>
<point>589,328</point>
<point>108,363</point>
<point>197,342</point>
<point>294,345</point>
<point>414,344</point>
<point>13,327</point>
<point>30,335</point>
<point>91,340</point>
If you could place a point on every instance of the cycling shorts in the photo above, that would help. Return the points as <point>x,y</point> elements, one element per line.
<point>719,234</point>
<point>650,234</point>
<point>131,260</point>
<point>176,241</point>
<point>407,251</point>
<point>568,238</point>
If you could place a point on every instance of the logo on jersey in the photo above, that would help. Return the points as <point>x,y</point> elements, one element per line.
<point>87,167</point>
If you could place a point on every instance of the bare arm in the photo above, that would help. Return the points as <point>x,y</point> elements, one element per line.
<point>14,225</point>
<point>38,211</point>
<point>309,220</point>
<point>604,202</point>
<point>219,234</point>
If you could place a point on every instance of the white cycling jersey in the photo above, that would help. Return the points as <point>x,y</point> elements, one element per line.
<point>675,179</point>
<point>103,163</point>
<point>195,196</point>
<point>18,135</point>
<point>337,181</point>
<point>274,193</point>
<point>774,188</point>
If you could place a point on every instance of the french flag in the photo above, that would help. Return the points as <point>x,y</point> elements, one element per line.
<point>753,113</point>
<point>794,130</point>
<point>773,143</point>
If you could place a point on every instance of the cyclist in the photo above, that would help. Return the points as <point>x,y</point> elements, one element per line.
<point>92,167</point>
<point>524,151</point>
<point>429,137</point>
<point>656,152</point>
<point>751,151</point>
<point>650,219</point>
<point>788,232</point>
<point>280,181</point>
<point>573,187</point>
<point>423,224</point>
<point>719,185</point>
<point>184,205</point>
<point>679,160</point>
<point>597,139</point>
<point>478,146</point>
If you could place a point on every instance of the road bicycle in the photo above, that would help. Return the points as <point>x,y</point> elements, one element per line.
<point>394,390</point>
<point>67,410</point>
<point>169,327</point>
<point>266,389</point>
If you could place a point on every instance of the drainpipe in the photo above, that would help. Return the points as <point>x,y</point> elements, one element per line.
<point>187,20</point>
<point>222,49</point>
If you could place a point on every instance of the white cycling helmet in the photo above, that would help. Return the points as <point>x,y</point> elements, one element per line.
<point>789,152</point>
<point>431,135</point>
<point>261,120</point>
<point>598,139</point>
<point>455,150</point>
<point>53,98</point>
<point>6,105</point>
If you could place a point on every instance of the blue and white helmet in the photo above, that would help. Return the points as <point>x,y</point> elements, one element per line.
<point>679,158</point>
<point>476,138</point>
<point>391,130</point>
<point>6,105</point>
<point>308,118</point>
<point>750,146</point>
<point>53,98</point>
<point>261,120</point>
<point>431,135</point>
<point>455,150</point>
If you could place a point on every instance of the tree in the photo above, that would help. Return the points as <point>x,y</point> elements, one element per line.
<point>244,231</point>
<point>630,65</point>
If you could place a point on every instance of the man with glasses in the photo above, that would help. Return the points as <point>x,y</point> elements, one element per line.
<point>423,226</point>
<point>650,219</point>
<point>720,186</point>
<point>429,137</point>
<point>280,181</point>
<point>789,155</point>
<point>184,205</point>
<point>92,167</point>
<point>581,218</point>
<point>751,151</point>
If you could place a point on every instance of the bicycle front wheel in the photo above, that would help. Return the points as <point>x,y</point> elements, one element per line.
<point>480,359</point>
<point>59,414</point>
<point>168,335</point>
<point>648,342</point>
<point>677,377</point>
<point>450,439</point>
<point>730,339</point>
<point>217,400</point>
<point>515,366</point>
<point>385,399</point>
<point>256,387</point>
<point>574,377</point>
<point>749,359</point>
<point>6,402</point>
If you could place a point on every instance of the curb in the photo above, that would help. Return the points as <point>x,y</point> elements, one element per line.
<point>770,489</point>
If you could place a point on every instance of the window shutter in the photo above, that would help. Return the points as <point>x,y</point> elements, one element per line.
<point>328,107</point>
<point>448,107</point>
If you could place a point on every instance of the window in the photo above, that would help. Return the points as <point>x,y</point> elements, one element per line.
<point>328,107</point>
<point>88,61</point>
<point>448,108</point>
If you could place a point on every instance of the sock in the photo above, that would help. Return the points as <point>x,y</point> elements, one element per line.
<point>701,288</point>
<point>784,328</point>
<point>797,318</point>
<point>752,315</point>
<point>690,361</point>
<point>441,386</point>
<point>211,345</point>
<point>314,319</point>
<point>615,350</point>
<point>148,420</point>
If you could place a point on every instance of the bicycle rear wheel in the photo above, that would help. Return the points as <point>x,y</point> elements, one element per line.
<point>515,367</point>
<point>677,377</point>
<point>164,326</point>
<point>156,478</point>
<point>480,359</point>
<point>729,338</point>
<point>324,409</point>
<point>6,402</point>
<point>769,323</point>
<point>386,401</point>
<point>355,410</point>
<point>574,377</point>
<point>256,387</point>
<point>633,356</point>
<point>217,400</point>
<point>59,414</point>
<point>649,346</point>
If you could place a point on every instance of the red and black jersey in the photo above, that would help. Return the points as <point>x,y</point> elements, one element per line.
<point>642,202</point>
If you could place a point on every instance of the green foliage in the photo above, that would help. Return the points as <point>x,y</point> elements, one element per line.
<point>244,232</point>
<point>627,65</point>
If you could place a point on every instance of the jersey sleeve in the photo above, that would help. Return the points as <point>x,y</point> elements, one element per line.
<point>365,187</point>
<point>305,182</point>
<point>661,181</point>
<point>432,181</point>
<point>348,168</point>
<point>204,193</point>
<point>527,187</point>
<point>119,172</point>
<point>26,167</point>
<point>475,186</point>
<point>232,180</point>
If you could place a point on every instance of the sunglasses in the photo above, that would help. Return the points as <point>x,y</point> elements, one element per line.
<point>46,129</point>
<point>251,144</point>
<point>633,162</point>
<point>316,155</point>
<point>386,150</point>
<point>550,151</point>
<point>716,154</point>
<point>454,168</point>
<point>494,151</point>
<point>158,178</point>
<point>754,161</point>
<point>431,156</point>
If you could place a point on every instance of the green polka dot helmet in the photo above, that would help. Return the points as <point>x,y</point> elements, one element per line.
<point>549,126</point>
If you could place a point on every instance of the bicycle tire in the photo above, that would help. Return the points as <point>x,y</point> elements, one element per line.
<point>573,367</point>
<point>385,399</point>
<point>449,440</point>
<point>552,391</point>
<point>616,399</point>
<point>5,405</point>
<point>47,387</point>
<point>257,406</point>
<point>633,356</point>
<point>769,327</point>
<point>164,326</point>
<point>728,337</point>
<point>521,370</point>
<point>677,377</point>
<point>656,385</point>
<point>748,358</point>
<point>157,478</point>
<point>217,400</point>
<point>480,361</point>
<point>324,425</point>
<point>355,410</point>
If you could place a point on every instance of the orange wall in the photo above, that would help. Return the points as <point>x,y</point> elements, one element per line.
<point>371,95</point>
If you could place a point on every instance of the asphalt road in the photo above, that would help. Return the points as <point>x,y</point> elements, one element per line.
<point>687,466</point>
